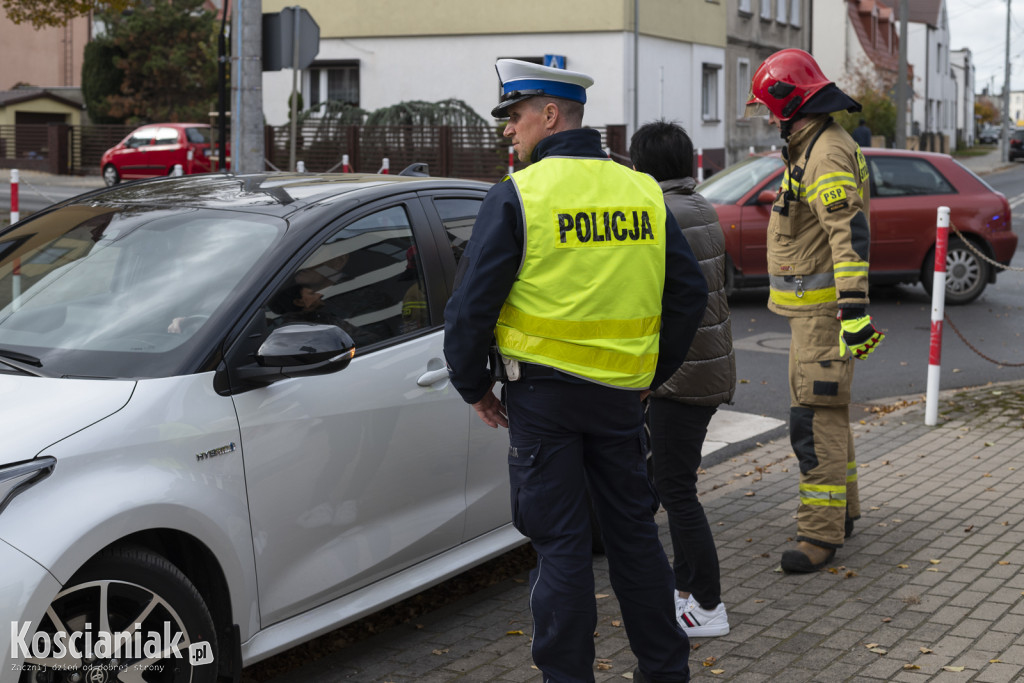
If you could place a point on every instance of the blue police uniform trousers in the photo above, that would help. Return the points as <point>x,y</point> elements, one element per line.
<point>567,435</point>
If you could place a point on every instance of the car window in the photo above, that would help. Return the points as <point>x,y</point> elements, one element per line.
<point>906,176</point>
<point>166,136</point>
<point>366,278</point>
<point>143,136</point>
<point>729,185</point>
<point>458,216</point>
<point>198,136</point>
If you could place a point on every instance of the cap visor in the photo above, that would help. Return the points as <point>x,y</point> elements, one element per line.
<point>501,111</point>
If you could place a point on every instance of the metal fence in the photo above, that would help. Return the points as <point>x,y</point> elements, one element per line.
<point>477,152</point>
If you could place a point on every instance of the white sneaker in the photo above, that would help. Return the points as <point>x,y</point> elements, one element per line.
<point>683,604</point>
<point>701,623</point>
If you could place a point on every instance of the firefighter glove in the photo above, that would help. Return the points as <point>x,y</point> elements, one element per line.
<point>860,335</point>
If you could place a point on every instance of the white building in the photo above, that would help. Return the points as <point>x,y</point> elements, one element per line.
<point>962,66</point>
<point>935,92</point>
<point>670,65</point>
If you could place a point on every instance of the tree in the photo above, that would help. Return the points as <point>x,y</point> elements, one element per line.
<point>986,111</point>
<point>875,90</point>
<point>167,53</point>
<point>43,13</point>
<point>100,79</point>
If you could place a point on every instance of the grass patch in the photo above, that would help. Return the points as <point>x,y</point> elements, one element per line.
<point>976,151</point>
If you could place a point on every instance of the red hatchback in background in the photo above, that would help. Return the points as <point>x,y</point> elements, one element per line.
<point>906,190</point>
<point>154,150</point>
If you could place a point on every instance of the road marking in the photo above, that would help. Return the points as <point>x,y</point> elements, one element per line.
<point>1016,201</point>
<point>730,426</point>
<point>768,342</point>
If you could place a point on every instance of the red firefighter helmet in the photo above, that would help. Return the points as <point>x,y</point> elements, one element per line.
<point>784,82</point>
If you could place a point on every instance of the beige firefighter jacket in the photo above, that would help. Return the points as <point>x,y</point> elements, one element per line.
<point>818,234</point>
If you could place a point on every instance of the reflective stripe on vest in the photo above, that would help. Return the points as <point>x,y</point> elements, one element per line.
<point>588,296</point>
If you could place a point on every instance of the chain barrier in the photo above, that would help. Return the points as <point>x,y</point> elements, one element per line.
<point>970,245</point>
<point>973,348</point>
<point>45,196</point>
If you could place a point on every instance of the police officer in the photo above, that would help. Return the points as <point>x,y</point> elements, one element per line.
<point>818,239</point>
<point>584,281</point>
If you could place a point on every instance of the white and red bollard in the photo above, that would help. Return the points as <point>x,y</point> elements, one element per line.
<point>385,167</point>
<point>300,166</point>
<point>931,404</point>
<point>344,164</point>
<point>700,166</point>
<point>15,214</point>
<point>511,160</point>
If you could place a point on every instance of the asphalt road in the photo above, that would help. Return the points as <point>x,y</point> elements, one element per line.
<point>993,324</point>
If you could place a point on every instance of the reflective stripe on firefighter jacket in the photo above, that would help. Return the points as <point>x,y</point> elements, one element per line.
<point>588,297</point>
<point>818,234</point>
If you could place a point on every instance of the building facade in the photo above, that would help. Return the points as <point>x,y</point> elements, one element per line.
<point>44,58</point>
<point>962,66</point>
<point>651,59</point>
<point>933,114</point>
<point>756,29</point>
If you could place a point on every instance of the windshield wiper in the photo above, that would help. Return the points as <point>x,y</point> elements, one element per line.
<point>23,362</point>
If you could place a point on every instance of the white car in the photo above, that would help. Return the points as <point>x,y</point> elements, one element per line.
<point>228,425</point>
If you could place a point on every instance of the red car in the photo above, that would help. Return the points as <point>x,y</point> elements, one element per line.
<point>906,190</point>
<point>155,149</point>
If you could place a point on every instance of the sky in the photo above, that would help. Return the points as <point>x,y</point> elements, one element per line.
<point>981,26</point>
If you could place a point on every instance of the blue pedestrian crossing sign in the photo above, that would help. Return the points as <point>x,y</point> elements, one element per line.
<point>556,61</point>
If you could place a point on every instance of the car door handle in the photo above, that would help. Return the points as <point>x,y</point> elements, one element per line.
<point>432,377</point>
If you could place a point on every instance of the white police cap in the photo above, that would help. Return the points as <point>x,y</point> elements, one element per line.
<point>522,80</point>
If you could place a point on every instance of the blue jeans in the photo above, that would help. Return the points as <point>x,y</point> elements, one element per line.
<point>567,436</point>
<point>677,436</point>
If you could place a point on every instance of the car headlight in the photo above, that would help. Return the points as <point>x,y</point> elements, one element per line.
<point>21,475</point>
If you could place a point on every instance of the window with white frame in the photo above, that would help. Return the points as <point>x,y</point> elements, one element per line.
<point>794,13</point>
<point>766,9</point>
<point>709,92</point>
<point>742,86</point>
<point>744,7</point>
<point>334,82</point>
<point>780,12</point>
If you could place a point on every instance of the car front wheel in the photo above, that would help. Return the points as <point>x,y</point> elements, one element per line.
<point>110,175</point>
<point>966,273</point>
<point>129,615</point>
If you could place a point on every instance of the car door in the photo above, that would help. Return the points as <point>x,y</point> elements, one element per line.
<point>168,149</point>
<point>905,192</point>
<point>487,488</point>
<point>355,475</point>
<point>132,161</point>
<point>754,217</point>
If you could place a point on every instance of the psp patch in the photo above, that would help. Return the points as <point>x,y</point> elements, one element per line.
<point>833,195</point>
<point>605,227</point>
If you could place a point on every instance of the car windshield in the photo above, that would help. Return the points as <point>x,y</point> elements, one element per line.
<point>728,186</point>
<point>101,291</point>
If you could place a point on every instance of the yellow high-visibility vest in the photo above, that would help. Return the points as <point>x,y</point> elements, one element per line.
<point>588,297</point>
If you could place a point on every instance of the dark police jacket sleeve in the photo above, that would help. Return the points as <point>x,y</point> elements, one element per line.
<point>487,270</point>
<point>682,303</point>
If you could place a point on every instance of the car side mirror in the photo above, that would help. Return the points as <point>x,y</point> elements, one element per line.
<point>766,197</point>
<point>299,350</point>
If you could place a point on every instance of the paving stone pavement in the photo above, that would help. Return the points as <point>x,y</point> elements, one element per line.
<point>929,588</point>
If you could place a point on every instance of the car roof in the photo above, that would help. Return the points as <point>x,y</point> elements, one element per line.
<point>276,193</point>
<point>887,151</point>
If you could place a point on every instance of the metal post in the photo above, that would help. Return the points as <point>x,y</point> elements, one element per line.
<point>1004,153</point>
<point>900,141</point>
<point>295,86</point>
<point>931,404</point>
<point>222,91</point>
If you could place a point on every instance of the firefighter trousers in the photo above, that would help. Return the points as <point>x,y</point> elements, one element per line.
<point>819,430</point>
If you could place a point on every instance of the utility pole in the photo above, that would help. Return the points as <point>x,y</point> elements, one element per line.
<point>247,154</point>
<point>901,81</point>
<point>636,64</point>
<point>1004,146</point>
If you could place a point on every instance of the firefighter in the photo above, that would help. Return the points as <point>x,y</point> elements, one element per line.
<point>818,240</point>
<point>581,275</point>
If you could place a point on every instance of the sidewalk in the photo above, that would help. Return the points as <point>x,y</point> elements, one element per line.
<point>986,163</point>
<point>929,588</point>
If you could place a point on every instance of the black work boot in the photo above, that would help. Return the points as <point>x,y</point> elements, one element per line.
<point>806,558</point>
